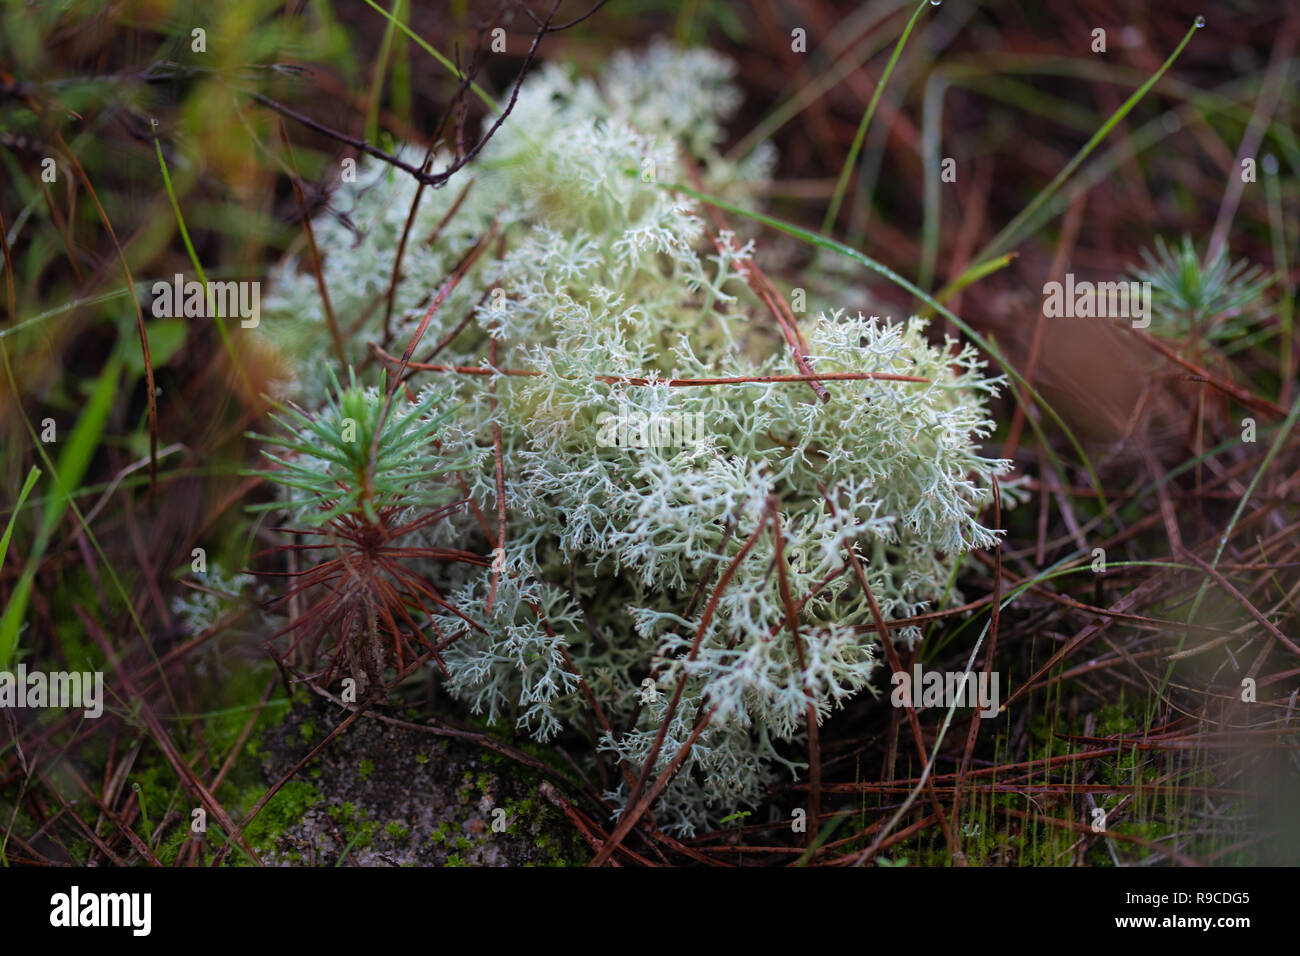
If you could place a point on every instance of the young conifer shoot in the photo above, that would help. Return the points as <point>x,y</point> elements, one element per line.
<point>359,477</point>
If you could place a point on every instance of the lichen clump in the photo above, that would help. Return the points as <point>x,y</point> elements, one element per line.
<point>625,501</point>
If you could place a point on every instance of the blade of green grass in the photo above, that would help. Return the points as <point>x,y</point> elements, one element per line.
<point>377,79</point>
<point>32,475</point>
<point>198,266</point>
<point>852,159</point>
<point>1010,230</point>
<point>67,501</point>
<point>1282,270</point>
<point>1060,569</point>
<point>1200,104</point>
<point>141,288</point>
<point>74,459</point>
<point>842,65</point>
<point>478,90</point>
<point>971,276</point>
<point>144,813</point>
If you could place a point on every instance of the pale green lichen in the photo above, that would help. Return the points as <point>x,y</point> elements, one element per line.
<point>606,273</point>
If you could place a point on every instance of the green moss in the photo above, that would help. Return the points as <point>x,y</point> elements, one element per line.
<point>367,768</point>
<point>993,837</point>
<point>364,832</point>
<point>359,828</point>
<point>1114,719</point>
<point>240,696</point>
<point>286,808</point>
<point>440,834</point>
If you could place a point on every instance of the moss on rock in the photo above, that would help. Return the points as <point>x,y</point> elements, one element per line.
<point>394,796</point>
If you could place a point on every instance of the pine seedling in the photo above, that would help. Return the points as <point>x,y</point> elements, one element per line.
<point>359,478</point>
<point>1195,299</point>
<point>359,455</point>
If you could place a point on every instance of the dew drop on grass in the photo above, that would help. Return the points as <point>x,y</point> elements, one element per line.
<point>1200,21</point>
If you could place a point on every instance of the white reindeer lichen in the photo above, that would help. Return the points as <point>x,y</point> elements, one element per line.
<point>603,274</point>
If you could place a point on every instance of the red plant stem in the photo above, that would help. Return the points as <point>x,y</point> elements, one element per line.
<point>636,808</point>
<point>994,614</point>
<point>498,557</point>
<point>895,666</point>
<point>792,618</point>
<point>671,382</point>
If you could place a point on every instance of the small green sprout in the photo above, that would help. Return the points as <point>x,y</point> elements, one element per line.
<point>359,455</point>
<point>1195,298</point>
<point>360,476</point>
